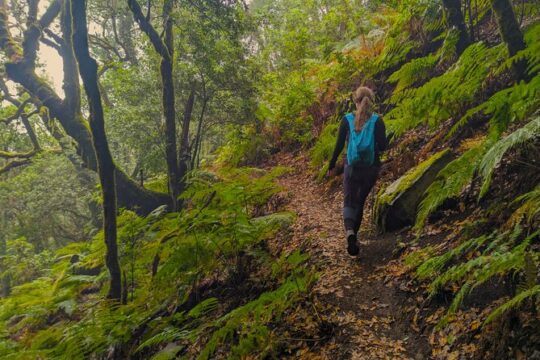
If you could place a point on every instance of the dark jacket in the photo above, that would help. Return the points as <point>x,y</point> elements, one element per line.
<point>381,142</point>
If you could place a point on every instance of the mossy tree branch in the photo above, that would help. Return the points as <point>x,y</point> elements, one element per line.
<point>20,68</point>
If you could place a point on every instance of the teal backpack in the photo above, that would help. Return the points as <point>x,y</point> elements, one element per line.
<point>361,148</point>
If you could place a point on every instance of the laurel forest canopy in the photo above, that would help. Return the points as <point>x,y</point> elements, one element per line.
<point>163,188</point>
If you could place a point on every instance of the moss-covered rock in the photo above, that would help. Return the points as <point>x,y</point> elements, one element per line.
<point>278,221</point>
<point>396,205</point>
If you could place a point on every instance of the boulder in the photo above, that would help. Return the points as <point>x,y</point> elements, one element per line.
<point>279,221</point>
<point>396,206</point>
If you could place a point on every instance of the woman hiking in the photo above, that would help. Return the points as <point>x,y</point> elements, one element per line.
<point>365,133</point>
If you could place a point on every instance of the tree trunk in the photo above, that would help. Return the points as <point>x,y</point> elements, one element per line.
<point>169,113</point>
<point>130,195</point>
<point>106,169</point>
<point>198,136</point>
<point>183,160</point>
<point>455,20</point>
<point>511,35</point>
<point>21,70</point>
<point>165,49</point>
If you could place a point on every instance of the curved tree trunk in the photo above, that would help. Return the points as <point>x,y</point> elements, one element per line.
<point>511,35</point>
<point>106,169</point>
<point>130,194</point>
<point>20,68</point>
<point>454,18</point>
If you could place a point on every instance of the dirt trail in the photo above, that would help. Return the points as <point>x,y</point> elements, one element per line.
<point>370,320</point>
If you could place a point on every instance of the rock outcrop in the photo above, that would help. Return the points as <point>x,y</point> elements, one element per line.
<point>396,205</point>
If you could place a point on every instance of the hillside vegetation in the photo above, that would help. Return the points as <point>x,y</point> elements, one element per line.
<point>164,190</point>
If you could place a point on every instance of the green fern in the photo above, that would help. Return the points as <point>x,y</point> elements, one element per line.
<point>445,96</point>
<point>505,106</point>
<point>323,148</point>
<point>499,258</point>
<point>250,320</point>
<point>529,208</point>
<point>434,265</point>
<point>495,154</point>
<point>412,72</point>
<point>450,182</point>
<point>513,303</point>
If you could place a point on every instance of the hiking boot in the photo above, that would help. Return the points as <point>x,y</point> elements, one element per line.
<point>352,243</point>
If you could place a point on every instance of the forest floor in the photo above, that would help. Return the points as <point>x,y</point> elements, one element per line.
<point>368,306</point>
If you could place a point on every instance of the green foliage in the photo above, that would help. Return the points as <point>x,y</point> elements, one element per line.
<point>248,321</point>
<point>505,106</point>
<point>447,95</point>
<point>532,51</point>
<point>414,259</point>
<point>450,182</point>
<point>513,303</point>
<point>485,257</point>
<point>477,271</point>
<point>529,208</point>
<point>413,72</point>
<point>495,154</point>
<point>243,146</point>
<point>323,149</point>
<point>215,229</point>
<point>21,263</point>
<point>435,264</point>
<point>47,202</point>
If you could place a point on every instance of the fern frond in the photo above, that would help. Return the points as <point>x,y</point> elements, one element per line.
<point>450,182</point>
<point>480,269</point>
<point>412,72</point>
<point>445,96</point>
<point>434,265</point>
<point>253,317</point>
<point>505,106</point>
<point>529,208</point>
<point>495,154</point>
<point>513,303</point>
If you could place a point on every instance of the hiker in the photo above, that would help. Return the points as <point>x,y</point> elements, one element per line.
<point>366,135</point>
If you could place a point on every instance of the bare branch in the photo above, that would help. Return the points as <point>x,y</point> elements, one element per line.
<point>18,113</point>
<point>34,29</point>
<point>148,29</point>
<point>30,130</point>
<point>148,10</point>
<point>52,44</point>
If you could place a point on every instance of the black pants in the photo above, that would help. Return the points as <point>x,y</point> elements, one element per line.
<point>357,183</point>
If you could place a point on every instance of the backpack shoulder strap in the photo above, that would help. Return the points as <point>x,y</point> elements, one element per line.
<point>374,117</point>
<point>350,119</point>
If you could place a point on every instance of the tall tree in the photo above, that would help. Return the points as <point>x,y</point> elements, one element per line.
<point>165,48</point>
<point>20,67</point>
<point>455,20</point>
<point>184,154</point>
<point>88,69</point>
<point>511,35</point>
